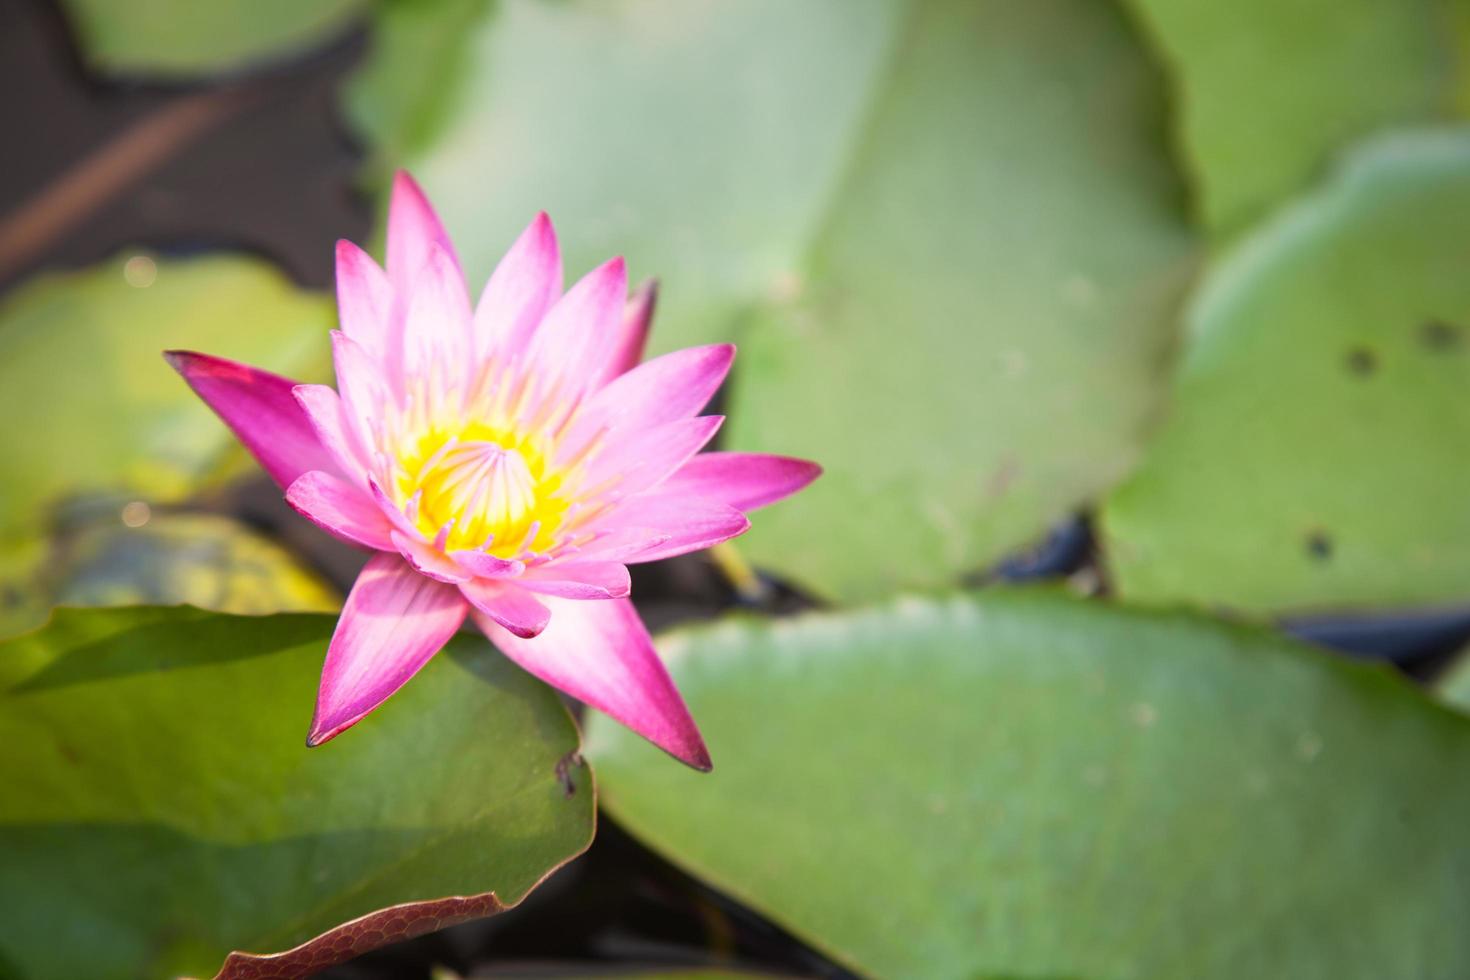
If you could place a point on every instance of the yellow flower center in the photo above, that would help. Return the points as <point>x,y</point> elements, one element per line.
<point>487,486</point>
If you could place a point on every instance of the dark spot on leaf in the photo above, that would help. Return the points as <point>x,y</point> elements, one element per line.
<point>1440,335</point>
<point>1319,545</point>
<point>1362,361</point>
<point>564,772</point>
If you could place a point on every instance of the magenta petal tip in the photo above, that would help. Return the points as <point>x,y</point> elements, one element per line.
<point>261,410</point>
<point>321,734</point>
<point>701,761</point>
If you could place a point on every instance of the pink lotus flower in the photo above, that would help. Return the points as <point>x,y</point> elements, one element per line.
<point>506,462</point>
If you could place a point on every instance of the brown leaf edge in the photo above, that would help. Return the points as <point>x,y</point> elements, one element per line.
<point>390,925</point>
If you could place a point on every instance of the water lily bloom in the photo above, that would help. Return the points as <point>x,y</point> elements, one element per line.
<point>504,462</point>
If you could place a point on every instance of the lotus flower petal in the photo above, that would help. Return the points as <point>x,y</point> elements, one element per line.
<point>525,284</point>
<point>579,334</point>
<point>511,608</point>
<point>414,230</point>
<point>437,339</point>
<point>745,481</point>
<point>364,299</point>
<point>259,407</point>
<point>600,654</point>
<point>481,564</point>
<point>665,389</point>
<point>323,408</point>
<point>670,524</point>
<point>341,509</point>
<point>427,559</point>
<point>580,580</point>
<point>632,338</point>
<point>642,459</point>
<point>361,385</point>
<point>395,620</point>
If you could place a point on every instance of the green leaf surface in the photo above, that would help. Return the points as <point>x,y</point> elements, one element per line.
<point>979,334</point>
<point>946,234</point>
<point>1453,686</point>
<point>170,38</point>
<point>97,410</point>
<point>161,809</point>
<point>1270,90</point>
<point>1315,455</point>
<point>204,560</point>
<point>1024,785</point>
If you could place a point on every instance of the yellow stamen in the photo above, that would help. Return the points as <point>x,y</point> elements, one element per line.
<point>487,485</point>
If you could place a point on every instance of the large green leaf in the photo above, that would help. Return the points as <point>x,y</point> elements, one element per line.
<point>1270,89</point>
<point>160,809</point>
<point>91,405</point>
<point>186,37</point>
<point>204,560</point>
<point>923,213</point>
<point>1024,785</point>
<point>1315,456</point>
<point>980,333</point>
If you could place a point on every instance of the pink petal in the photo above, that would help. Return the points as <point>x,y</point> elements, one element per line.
<point>525,284</point>
<point>745,481</point>
<point>428,560</point>
<point>662,390</point>
<point>579,580</point>
<point>642,459</point>
<point>437,328</point>
<point>364,299</point>
<point>483,565</point>
<point>392,510</point>
<point>578,334</point>
<point>673,524</point>
<point>632,333</point>
<point>506,606</point>
<point>323,408</point>
<point>393,622</point>
<point>259,408</point>
<point>623,543</point>
<point>600,653</point>
<point>340,509</point>
<point>413,230</point>
<point>361,387</point>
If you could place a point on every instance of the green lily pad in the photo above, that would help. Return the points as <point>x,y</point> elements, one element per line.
<point>1314,457</point>
<point>1270,90</point>
<point>97,409</point>
<point>977,341</point>
<point>161,809</point>
<point>1025,785</point>
<point>204,560</point>
<point>171,38</point>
